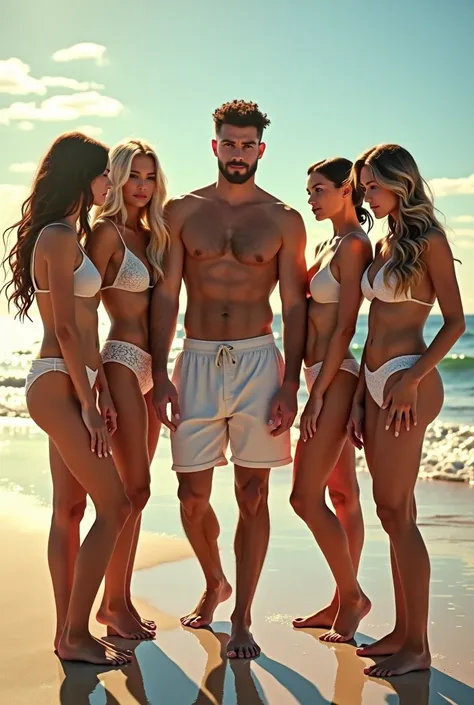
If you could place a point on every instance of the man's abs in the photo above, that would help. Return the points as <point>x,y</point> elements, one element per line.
<point>227,320</point>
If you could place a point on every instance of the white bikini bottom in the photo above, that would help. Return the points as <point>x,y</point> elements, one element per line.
<point>42,365</point>
<point>310,373</point>
<point>132,357</point>
<point>376,380</point>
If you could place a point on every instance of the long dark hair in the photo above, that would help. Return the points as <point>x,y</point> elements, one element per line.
<point>62,186</point>
<point>338,171</point>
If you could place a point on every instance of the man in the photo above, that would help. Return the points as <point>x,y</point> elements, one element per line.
<point>231,243</point>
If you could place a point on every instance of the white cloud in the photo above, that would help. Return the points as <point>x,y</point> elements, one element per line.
<point>83,50</point>
<point>15,78</point>
<point>453,187</point>
<point>63,107</point>
<point>464,232</point>
<point>23,167</point>
<point>463,219</point>
<point>61,82</point>
<point>11,193</point>
<point>466,244</point>
<point>26,126</point>
<point>11,198</point>
<point>90,130</point>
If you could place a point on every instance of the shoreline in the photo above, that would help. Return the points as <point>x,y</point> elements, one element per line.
<point>448,452</point>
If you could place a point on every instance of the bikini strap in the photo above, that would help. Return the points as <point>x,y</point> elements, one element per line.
<point>32,261</point>
<point>118,231</point>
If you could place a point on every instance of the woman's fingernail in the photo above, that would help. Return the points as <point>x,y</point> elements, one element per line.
<point>396,434</point>
<point>387,427</point>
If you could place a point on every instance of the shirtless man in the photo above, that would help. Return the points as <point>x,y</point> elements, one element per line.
<point>231,243</point>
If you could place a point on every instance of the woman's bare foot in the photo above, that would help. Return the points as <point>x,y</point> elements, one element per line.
<point>386,646</point>
<point>91,650</point>
<point>107,644</point>
<point>146,623</point>
<point>242,644</point>
<point>324,619</point>
<point>405,661</point>
<point>123,624</point>
<point>203,615</point>
<point>348,619</point>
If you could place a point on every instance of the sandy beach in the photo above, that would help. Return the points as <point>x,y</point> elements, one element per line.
<point>183,666</point>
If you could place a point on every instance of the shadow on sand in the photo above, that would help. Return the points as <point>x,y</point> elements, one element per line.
<point>153,677</point>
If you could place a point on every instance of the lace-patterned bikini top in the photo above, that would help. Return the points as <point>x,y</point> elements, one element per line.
<point>132,274</point>
<point>385,292</point>
<point>87,279</point>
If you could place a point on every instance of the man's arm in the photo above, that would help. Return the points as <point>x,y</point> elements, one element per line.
<point>164,315</point>
<point>292,276</point>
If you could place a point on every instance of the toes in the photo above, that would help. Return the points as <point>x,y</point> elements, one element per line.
<point>231,654</point>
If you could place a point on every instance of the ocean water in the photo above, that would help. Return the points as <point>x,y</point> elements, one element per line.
<point>19,344</point>
<point>448,452</point>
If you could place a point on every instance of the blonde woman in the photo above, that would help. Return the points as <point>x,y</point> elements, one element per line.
<point>400,391</point>
<point>128,244</point>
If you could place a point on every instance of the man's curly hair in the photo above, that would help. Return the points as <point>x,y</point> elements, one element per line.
<point>241,113</point>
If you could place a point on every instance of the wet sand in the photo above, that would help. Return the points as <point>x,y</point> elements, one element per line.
<point>183,666</point>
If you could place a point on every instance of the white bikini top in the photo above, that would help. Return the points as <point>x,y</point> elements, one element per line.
<point>324,287</point>
<point>132,274</point>
<point>87,279</point>
<point>386,293</point>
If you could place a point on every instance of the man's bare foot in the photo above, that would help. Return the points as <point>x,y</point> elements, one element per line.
<point>203,615</point>
<point>386,646</point>
<point>348,619</point>
<point>146,623</point>
<point>405,661</point>
<point>91,650</point>
<point>123,624</point>
<point>324,619</point>
<point>242,644</point>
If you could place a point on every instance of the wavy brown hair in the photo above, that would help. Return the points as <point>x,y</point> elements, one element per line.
<point>337,170</point>
<point>394,168</point>
<point>62,186</point>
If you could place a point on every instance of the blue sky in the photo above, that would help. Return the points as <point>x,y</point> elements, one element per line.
<point>334,77</point>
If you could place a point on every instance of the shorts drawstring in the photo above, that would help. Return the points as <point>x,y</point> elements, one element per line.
<point>224,352</point>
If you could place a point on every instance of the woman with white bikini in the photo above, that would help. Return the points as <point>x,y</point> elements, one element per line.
<point>48,263</point>
<point>324,456</point>
<point>128,245</point>
<point>400,390</point>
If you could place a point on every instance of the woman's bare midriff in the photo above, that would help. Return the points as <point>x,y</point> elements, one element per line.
<point>395,329</point>
<point>86,322</point>
<point>322,321</point>
<point>128,315</point>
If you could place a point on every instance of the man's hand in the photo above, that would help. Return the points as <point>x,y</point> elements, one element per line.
<point>164,393</point>
<point>283,409</point>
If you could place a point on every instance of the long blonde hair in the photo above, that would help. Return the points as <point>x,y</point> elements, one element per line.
<point>394,169</point>
<point>151,217</point>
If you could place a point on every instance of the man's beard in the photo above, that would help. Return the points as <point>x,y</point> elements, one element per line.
<point>237,177</point>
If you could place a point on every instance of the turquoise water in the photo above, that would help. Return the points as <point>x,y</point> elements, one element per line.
<point>19,343</point>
